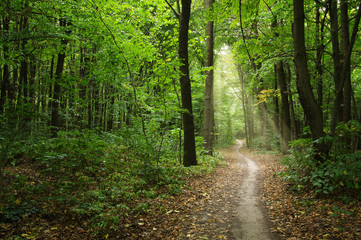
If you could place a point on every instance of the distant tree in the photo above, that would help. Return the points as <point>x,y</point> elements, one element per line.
<point>285,113</point>
<point>55,106</point>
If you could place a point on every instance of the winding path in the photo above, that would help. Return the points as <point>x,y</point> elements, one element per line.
<point>250,223</point>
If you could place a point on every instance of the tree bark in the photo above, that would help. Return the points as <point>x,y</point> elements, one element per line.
<point>285,114</point>
<point>31,88</point>
<point>55,116</point>
<point>345,69</point>
<point>345,44</point>
<point>189,156</point>
<point>312,110</point>
<point>275,99</point>
<point>336,55</point>
<point>6,72</point>
<point>319,54</point>
<point>294,126</point>
<point>209,109</point>
<point>244,105</point>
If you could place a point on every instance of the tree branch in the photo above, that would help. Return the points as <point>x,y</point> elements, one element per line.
<point>173,10</point>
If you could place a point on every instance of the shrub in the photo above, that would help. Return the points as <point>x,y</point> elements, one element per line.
<point>340,173</point>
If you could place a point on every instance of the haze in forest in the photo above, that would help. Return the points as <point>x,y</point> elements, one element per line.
<point>110,109</point>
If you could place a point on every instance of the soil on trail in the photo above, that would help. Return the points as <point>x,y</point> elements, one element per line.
<point>250,223</point>
<point>232,207</point>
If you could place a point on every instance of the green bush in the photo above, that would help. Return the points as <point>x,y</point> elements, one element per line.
<point>267,143</point>
<point>340,173</point>
<point>97,176</point>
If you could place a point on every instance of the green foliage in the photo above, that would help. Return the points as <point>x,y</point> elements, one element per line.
<point>340,173</point>
<point>267,143</point>
<point>15,134</point>
<point>19,211</point>
<point>95,175</point>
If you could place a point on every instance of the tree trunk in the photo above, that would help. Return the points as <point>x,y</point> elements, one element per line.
<point>294,126</point>
<point>6,72</point>
<point>255,66</point>
<point>209,109</point>
<point>311,108</point>
<point>111,113</point>
<point>25,59</point>
<point>345,69</point>
<point>48,102</point>
<point>55,116</point>
<point>345,44</point>
<point>244,105</point>
<point>189,156</point>
<point>90,103</point>
<point>336,55</point>
<point>319,55</point>
<point>276,117</point>
<point>84,78</point>
<point>32,80</point>
<point>285,114</point>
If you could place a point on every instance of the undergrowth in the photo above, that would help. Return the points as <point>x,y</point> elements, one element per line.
<point>338,175</point>
<point>98,176</point>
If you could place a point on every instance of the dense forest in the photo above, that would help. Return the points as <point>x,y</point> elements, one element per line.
<point>106,102</point>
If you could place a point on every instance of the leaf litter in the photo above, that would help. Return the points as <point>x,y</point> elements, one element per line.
<point>206,209</point>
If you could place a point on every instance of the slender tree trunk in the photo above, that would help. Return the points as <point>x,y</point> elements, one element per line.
<point>344,70</point>
<point>319,55</point>
<point>84,74</point>
<point>244,105</point>
<point>209,109</point>
<point>55,116</point>
<point>90,103</point>
<point>276,118</point>
<point>285,115</point>
<point>24,79</point>
<point>111,114</point>
<point>6,72</point>
<point>294,126</point>
<point>311,108</point>
<point>345,44</point>
<point>13,91</point>
<point>32,79</point>
<point>336,56</point>
<point>48,101</point>
<point>189,156</point>
<point>255,66</point>
<point>25,57</point>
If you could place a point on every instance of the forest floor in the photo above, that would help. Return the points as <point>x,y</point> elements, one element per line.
<point>232,207</point>
<point>220,211</point>
<point>244,199</point>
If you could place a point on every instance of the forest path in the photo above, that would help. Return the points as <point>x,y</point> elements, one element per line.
<point>228,203</point>
<point>250,222</point>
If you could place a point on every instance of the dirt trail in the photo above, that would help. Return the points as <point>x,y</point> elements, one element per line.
<point>250,223</point>
<point>228,203</point>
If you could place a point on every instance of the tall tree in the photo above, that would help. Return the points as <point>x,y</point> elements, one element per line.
<point>312,110</point>
<point>208,108</point>
<point>342,68</point>
<point>189,156</point>
<point>345,44</point>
